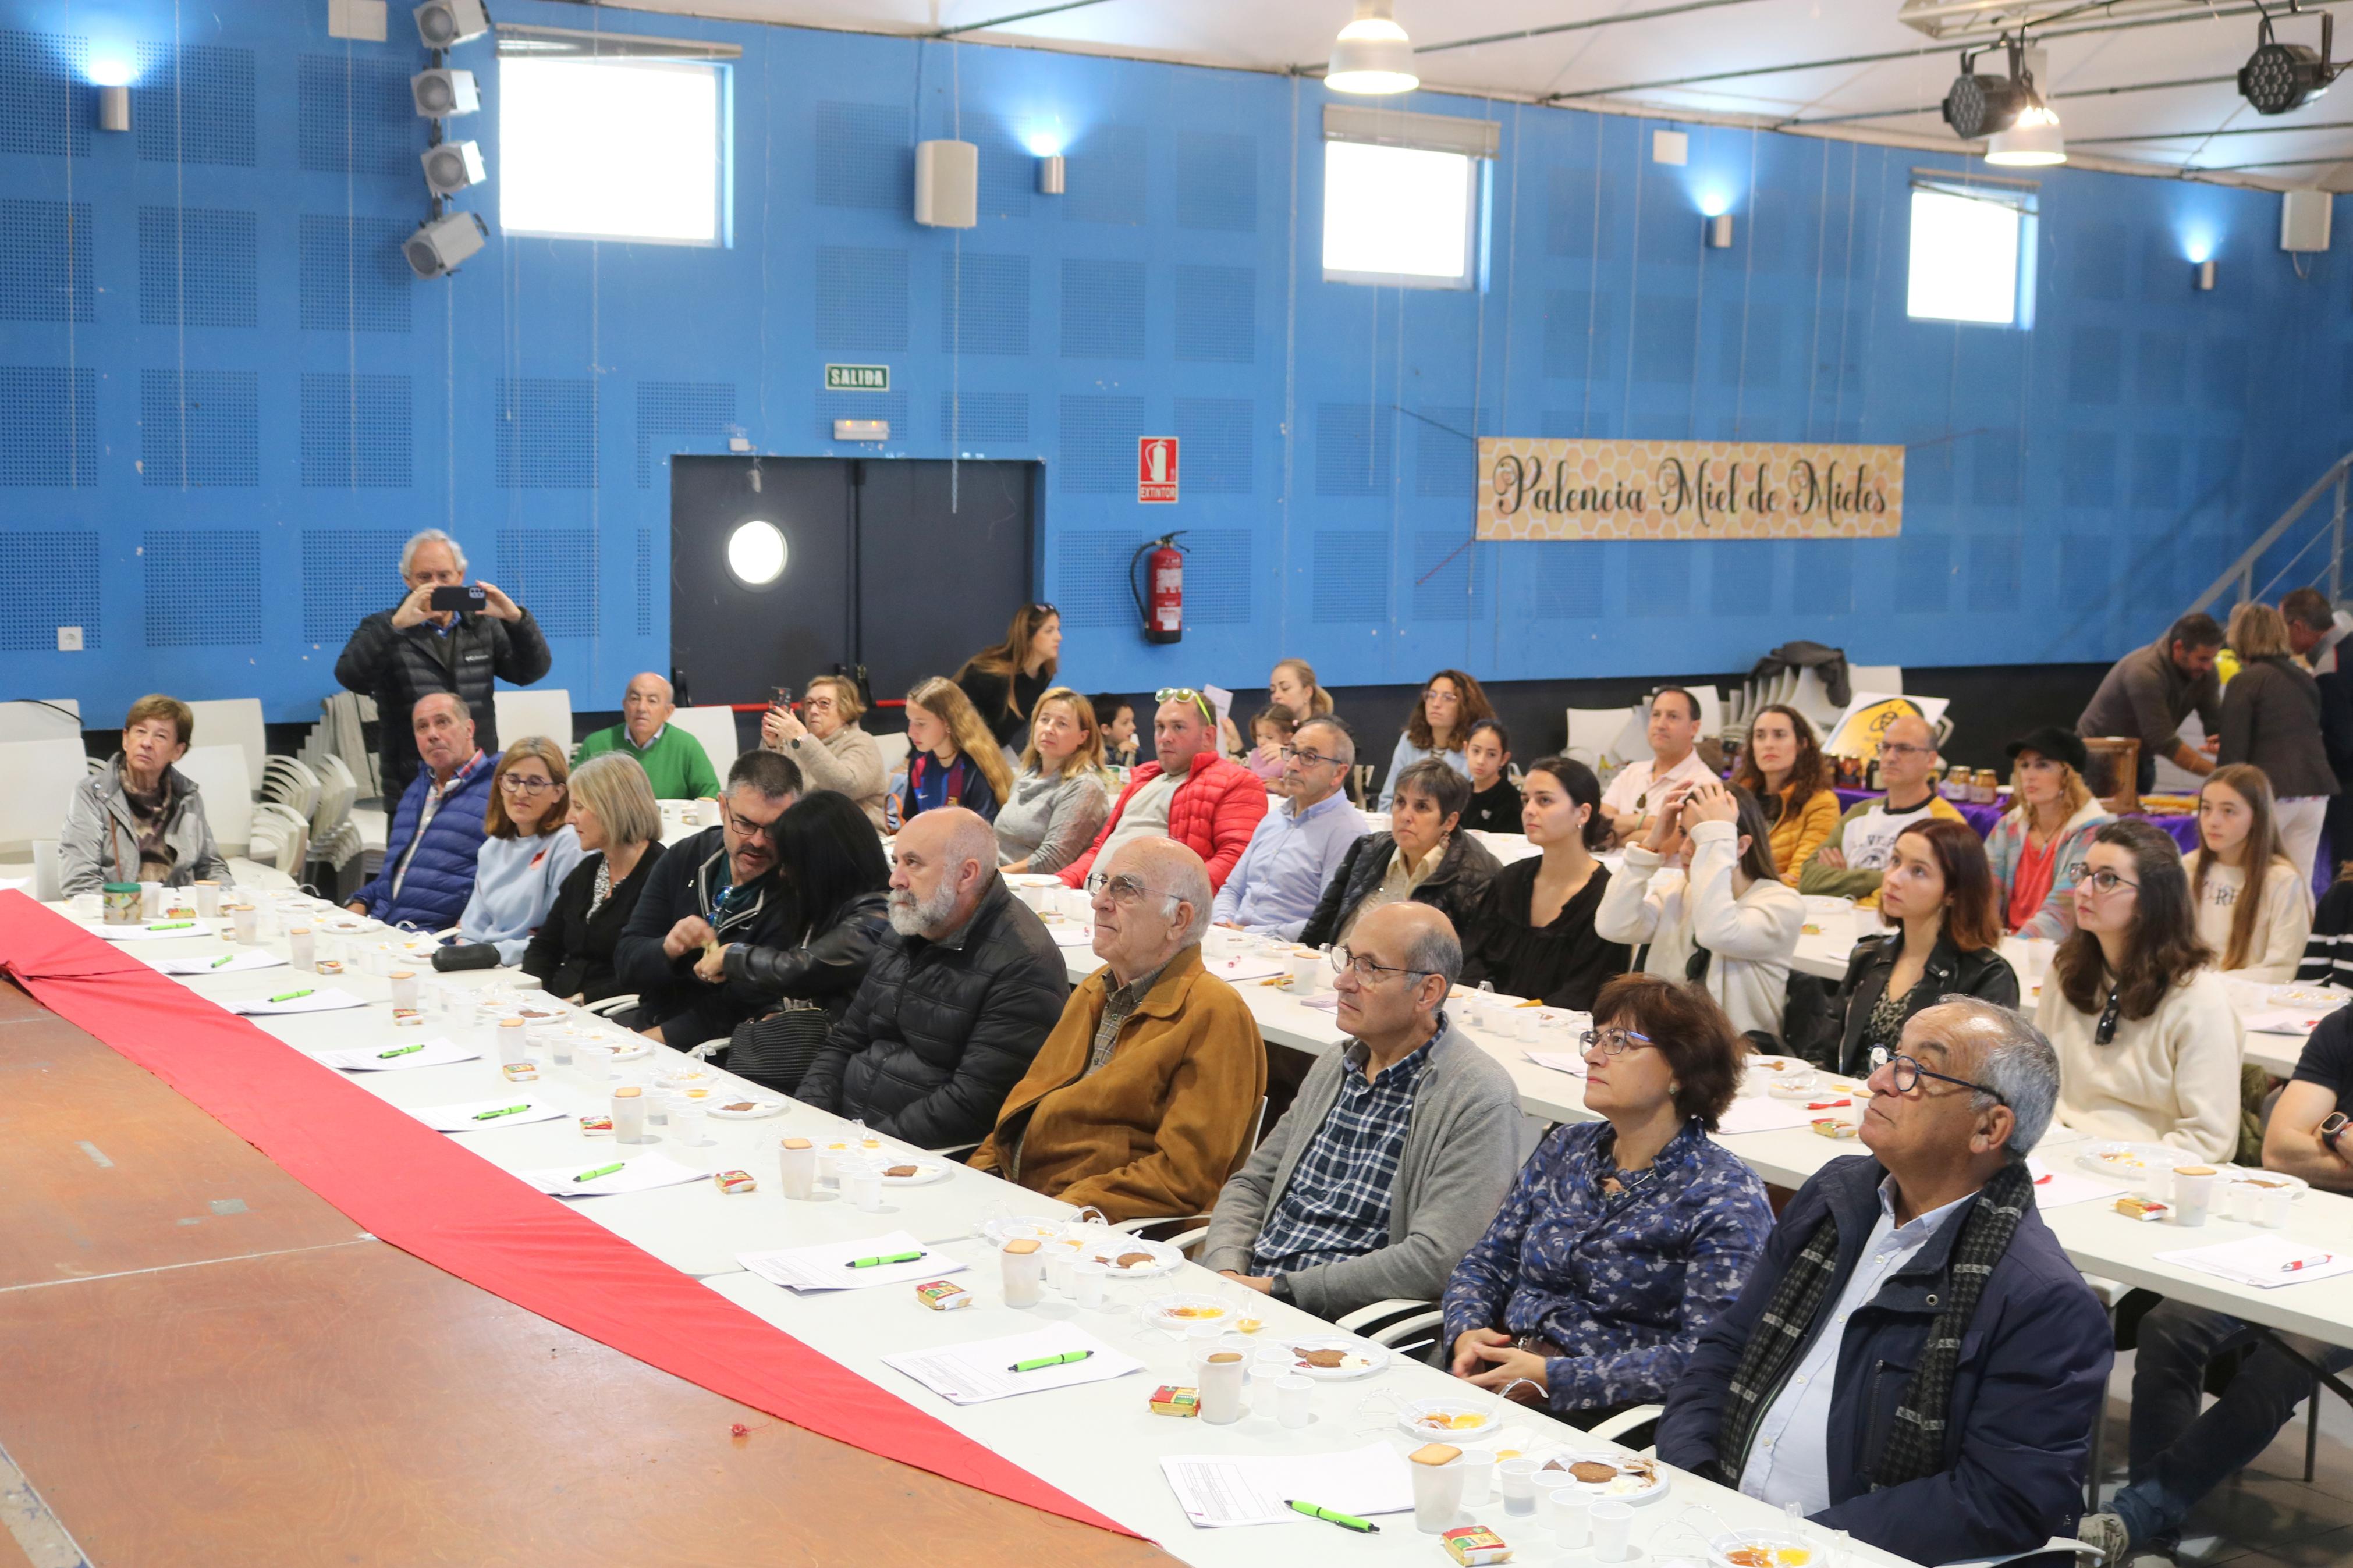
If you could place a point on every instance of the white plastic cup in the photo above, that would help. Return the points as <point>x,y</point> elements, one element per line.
<point>629,1114</point>
<point>1478,1467</point>
<point>1294,1399</point>
<point>1219,1373</point>
<point>1058,1270</point>
<point>1516,1480</point>
<point>404,989</point>
<point>208,895</point>
<point>690,1118</point>
<point>1613,1529</point>
<point>1022,1278</point>
<point>797,1169</point>
<point>2193,1192</point>
<point>2273,1207</point>
<point>1087,1281</point>
<point>2240,1202</point>
<point>245,924</point>
<point>862,1184</point>
<point>660,1100</point>
<point>1572,1518</point>
<point>1526,1024</point>
<point>1437,1496</point>
<point>1306,973</point>
<point>512,1049</point>
<point>301,947</point>
<point>151,900</point>
<point>462,1004</point>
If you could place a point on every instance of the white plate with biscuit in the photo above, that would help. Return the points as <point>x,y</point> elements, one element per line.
<point>754,1109</point>
<point>1328,1358</point>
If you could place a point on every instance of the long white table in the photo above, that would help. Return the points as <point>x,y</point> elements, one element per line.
<point>1097,1442</point>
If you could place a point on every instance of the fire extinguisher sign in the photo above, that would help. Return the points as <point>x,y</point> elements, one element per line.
<point>1155,470</point>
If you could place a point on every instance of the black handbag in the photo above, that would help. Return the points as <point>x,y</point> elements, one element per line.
<point>465,955</point>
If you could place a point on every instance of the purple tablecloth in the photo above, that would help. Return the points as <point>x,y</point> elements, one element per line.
<point>2184,829</point>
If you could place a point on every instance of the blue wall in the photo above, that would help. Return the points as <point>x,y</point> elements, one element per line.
<point>224,401</point>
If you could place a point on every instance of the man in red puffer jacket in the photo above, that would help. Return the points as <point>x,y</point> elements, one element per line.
<point>1191,794</point>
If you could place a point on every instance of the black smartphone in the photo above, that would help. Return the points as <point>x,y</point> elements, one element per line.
<point>780,697</point>
<point>469,597</point>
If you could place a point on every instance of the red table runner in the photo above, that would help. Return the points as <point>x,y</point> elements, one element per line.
<point>411,1186</point>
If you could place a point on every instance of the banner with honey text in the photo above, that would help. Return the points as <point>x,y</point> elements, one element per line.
<point>1544,487</point>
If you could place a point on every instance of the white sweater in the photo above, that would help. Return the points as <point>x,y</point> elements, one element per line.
<point>2172,1078</point>
<point>2281,924</point>
<point>1752,937</point>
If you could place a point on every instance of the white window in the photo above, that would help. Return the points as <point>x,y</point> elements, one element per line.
<point>612,150</point>
<point>1971,255</point>
<point>1401,215</point>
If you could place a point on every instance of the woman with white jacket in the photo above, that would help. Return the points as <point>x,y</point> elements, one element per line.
<point>1728,922</point>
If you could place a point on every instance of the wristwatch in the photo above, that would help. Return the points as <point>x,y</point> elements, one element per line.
<point>1281,1290</point>
<point>2332,1129</point>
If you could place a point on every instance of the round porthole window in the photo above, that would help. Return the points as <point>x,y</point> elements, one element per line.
<point>756,554</point>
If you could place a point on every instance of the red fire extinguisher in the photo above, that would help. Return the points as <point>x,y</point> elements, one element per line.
<point>1164,562</point>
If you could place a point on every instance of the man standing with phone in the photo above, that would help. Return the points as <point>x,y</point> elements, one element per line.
<point>445,635</point>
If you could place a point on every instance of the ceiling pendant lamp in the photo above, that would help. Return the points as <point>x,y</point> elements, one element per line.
<point>1372,55</point>
<point>2031,140</point>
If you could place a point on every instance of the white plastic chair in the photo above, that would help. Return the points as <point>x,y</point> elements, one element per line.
<point>233,721</point>
<point>1592,731</point>
<point>227,785</point>
<point>337,791</point>
<point>1886,678</point>
<point>715,727</point>
<point>1392,1322</point>
<point>54,719</point>
<point>37,779</point>
<point>894,752</point>
<point>538,712</point>
<point>289,781</point>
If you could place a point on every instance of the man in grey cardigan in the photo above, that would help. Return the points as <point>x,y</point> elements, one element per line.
<point>1398,1150</point>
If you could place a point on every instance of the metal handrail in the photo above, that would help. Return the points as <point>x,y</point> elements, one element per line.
<point>2242,570</point>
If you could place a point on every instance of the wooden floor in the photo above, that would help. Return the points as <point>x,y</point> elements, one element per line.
<point>205,1363</point>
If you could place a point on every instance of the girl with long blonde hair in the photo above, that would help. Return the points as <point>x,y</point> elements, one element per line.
<point>952,758</point>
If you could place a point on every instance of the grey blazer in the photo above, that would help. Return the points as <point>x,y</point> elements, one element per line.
<point>100,841</point>
<point>1461,1153</point>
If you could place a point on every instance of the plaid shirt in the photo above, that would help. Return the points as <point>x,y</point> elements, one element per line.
<point>1336,1204</point>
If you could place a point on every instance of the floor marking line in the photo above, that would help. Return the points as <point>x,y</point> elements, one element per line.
<point>193,1263</point>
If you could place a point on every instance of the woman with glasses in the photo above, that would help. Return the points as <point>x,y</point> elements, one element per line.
<point>2271,718</point>
<point>826,744</point>
<point>619,823</point>
<point>1058,803</point>
<point>1939,898</point>
<point>2259,929</point>
<point>1535,935</point>
<point>952,760</point>
<point>832,872</point>
<point>2035,847</point>
<point>528,849</point>
<point>1420,858</point>
<point>1623,1237</point>
<point>1700,895</point>
<point>1003,683</point>
<point>2148,1042</point>
<point>1783,768</point>
<point>1450,702</point>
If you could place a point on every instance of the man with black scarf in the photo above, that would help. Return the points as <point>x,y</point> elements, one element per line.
<point>1915,1360</point>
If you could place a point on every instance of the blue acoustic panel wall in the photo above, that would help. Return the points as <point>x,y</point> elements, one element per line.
<point>1568,583</point>
<point>861,297</point>
<point>677,416</point>
<point>555,571</point>
<point>1217,314</point>
<point>48,425</point>
<point>1216,452</point>
<point>64,562</point>
<point>546,433</point>
<point>46,252</point>
<point>1218,577</point>
<point>1102,310</point>
<point>353,276</point>
<point>1099,443</point>
<point>1352,577</point>
<point>1093,587</point>
<point>984,303</point>
<point>200,428</point>
<point>356,116</point>
<point>969,417</point>
<point>646,582</point>
<point>1354,448</point>
<point>201,587</point>
<point>193,103</point>
<point>1217,181</point>
<point>47,104</point>
<point>197,267</point>
<point>348,574</point>
<point>357,431</point>
<point>864,157</point>
<point>1108,177</point>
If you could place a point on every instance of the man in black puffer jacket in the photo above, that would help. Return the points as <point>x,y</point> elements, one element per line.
<point>397,656</point>
<point>963,991</point>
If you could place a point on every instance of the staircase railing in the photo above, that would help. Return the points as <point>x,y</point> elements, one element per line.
<point>2242,572</point>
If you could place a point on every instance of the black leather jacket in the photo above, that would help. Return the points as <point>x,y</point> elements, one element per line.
<point>1983,973</point>
<point>825,969</point>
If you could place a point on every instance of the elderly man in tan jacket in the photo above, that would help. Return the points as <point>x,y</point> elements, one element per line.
<point>1141,1100</point>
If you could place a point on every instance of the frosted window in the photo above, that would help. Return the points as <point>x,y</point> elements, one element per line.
<point>1965,258</point>
<point>609,149</point>
<point>1398,215</point>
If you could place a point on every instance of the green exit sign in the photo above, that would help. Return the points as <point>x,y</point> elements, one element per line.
<point>858,378</point>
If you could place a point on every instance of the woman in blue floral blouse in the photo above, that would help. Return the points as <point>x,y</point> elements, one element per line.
<point>1623,1237</point>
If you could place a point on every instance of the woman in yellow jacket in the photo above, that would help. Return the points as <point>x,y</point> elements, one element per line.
<point>1783,769</point>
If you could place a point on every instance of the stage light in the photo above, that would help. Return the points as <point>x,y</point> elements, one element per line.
<point>439,245</point>
<point>442,94</point>
<point>1372,54</point>
<point>2031,142</point>
<point>443,23</point>
<point>1978,105</point>
<point>2278,77</point>
<point>451,167</point>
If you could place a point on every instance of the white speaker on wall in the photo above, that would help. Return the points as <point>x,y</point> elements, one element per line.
<point>948,185</point>
<point>451,167</point>
<point>2304,220</point>
<point>439,246</point>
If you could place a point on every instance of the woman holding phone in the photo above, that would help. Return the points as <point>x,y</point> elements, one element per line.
<point>831,749</point>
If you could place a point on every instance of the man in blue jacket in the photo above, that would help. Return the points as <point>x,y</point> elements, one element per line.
<point>1915,1360</point>
<point>429,855</point>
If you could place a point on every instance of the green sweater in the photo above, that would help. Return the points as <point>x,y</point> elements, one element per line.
<point>675,763</point>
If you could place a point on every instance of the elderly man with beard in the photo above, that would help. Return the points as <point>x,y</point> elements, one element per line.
<point>962,993</point>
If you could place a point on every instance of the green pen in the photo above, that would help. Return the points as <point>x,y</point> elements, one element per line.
<point>1331,1516</point>
<point>599,1171</point>
<point>402,1051</point>
<point>293,995</point>
<point>873,1262</point>
<point>172,925</point>
<point>502,1111</point>
<point>224,958</point>
<point>1045,1361</point>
